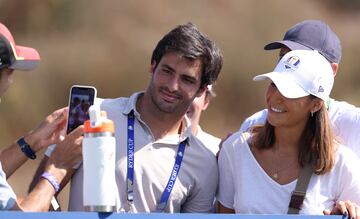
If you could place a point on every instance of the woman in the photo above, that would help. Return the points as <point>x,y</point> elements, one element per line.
<point>259,170</point>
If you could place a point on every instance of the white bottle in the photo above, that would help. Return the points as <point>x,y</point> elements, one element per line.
<point>99,163</point>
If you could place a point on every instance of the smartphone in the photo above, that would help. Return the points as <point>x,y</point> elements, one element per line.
<point>80,99</point>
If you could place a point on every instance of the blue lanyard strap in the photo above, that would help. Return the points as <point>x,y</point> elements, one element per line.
<point>130,167</point>
<point>130,157</point>
<point>174,173</point>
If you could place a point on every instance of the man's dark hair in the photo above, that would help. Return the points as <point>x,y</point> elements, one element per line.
<point>5,54</point>
<point>190,43</point>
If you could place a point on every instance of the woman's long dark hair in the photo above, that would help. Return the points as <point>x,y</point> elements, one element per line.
<point>316,145</point>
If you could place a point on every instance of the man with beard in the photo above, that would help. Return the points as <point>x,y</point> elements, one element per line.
<point>160,165</point>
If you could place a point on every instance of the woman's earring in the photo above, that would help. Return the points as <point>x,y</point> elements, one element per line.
<point>312,113</point>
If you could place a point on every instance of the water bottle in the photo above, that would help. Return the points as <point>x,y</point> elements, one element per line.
<point>99,163</point>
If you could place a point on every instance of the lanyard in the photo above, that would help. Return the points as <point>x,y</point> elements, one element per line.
<point>130,167</point>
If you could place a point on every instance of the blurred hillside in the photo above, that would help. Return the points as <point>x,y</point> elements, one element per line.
<point>108,44</point>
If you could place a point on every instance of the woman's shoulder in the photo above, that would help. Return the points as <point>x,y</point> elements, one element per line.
<point>237,141</point>
<point>343,151</point>
<point>344,156</point>
<point>234,148</point>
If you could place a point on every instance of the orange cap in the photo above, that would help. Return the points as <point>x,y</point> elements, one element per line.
<point>105,126</point>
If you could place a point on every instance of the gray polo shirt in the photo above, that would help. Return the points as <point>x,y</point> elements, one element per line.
<point>195,187</point>
<point>7,195</point>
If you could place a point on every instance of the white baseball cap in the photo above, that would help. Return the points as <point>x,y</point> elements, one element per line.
<point>301,73</point>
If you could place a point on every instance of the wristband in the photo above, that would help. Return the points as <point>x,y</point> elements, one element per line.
<point>52,180</point>
<point>26,149</point>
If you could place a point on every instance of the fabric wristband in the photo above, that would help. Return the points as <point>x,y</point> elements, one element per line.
<point>52,180</point>
<point>26,149</point>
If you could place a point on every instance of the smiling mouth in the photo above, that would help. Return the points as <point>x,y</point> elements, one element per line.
<point>168,96</point>
<point>276,110</point>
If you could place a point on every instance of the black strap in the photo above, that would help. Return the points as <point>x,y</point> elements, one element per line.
<point>26,149</point>
<point>298,195</point>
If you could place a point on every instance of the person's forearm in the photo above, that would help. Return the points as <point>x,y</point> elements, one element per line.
<point>12,157</point>
<point>39,198</point>
<point>40,170</point>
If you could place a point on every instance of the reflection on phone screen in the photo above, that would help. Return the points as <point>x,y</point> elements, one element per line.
<point>79,110</point>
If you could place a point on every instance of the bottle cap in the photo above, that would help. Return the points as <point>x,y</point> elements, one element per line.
<point>105,126</point>
<point>98,121</point>
<point>95,115</point>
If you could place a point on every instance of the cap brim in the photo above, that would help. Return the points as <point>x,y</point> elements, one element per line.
<point>290,44</point>
<point>284,83</point>
<point>25,59</point>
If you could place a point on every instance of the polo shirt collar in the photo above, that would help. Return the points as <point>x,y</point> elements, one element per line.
<point>131,105</point>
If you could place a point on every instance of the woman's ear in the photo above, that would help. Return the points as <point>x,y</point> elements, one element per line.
<point>317,104</point>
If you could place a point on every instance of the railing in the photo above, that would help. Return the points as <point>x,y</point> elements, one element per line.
<point>92,215</point>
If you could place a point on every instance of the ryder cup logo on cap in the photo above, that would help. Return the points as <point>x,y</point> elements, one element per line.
<point>292,62</point>
<point>301,73</point>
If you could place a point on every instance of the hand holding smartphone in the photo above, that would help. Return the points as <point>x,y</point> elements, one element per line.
<point>81,98</point>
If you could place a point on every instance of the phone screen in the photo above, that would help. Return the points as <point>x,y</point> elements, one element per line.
<point>81,98</point>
